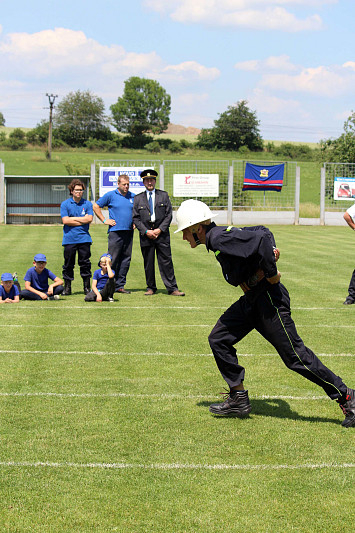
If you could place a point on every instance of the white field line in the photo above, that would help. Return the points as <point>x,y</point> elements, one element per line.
<point>157,325</point>
<point>110,307</point>
<point>150,396</point>
<point>153,354</point>
<point>175,466</point>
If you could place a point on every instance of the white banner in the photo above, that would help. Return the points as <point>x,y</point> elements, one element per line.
<point>109,175</point>
<point>192,185</point>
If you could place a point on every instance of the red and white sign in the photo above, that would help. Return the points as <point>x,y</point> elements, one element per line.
<point>194,185</point>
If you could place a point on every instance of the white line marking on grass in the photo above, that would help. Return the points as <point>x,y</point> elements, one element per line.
<point>157,326</point>
<point>153,354</point>
<point>109,307</point>
<point>176,466</point>
<point>151,396</point>
<point>77,352</point>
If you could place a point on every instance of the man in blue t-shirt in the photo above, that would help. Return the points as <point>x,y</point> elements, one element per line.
<point>9,293</point>
<point>36,282</point>
<point>120,228</point>
<point>77,214</point>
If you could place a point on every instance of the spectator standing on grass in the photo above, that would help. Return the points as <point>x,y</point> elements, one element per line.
<point>248,259</point>
<point>152,216</point>
<point>349,217</point>
<point>77,215</point>
<point>9,293</point>
<point>103,282</point>
<point>36,282</point>
<point>120,228</point>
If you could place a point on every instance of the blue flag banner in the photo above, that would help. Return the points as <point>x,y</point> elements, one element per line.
<point>263,178</point>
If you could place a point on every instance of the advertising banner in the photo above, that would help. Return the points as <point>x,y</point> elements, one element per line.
<point>344,188</point>
<point>108,179</point>
<point>194,185</point>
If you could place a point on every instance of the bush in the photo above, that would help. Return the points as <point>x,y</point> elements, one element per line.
<point>2,137</point>
<point>15,144</point>
<point>17,134</point>
<point>136,142</point>
<point>175,147</point>
<point>104,146</point>
<point>153,147</point>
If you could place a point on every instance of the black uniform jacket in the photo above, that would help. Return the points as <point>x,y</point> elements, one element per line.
<point>241,252</point>
<point>163,215</point>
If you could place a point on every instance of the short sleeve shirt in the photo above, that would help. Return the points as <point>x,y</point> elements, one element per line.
<point>11,294</point>
<point>76,234</point>
<point>101,279</point>
<point>351,212</point>
<point>119,209</point>
<point>39,281</point>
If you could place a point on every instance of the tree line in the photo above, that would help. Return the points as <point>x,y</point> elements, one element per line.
<point>143,110</point>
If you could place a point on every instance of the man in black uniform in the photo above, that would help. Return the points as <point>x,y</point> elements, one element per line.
<point>152,215</point>
<point>248,258</point>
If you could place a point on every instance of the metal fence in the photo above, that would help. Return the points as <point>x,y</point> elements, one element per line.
<point>330,172</point>
<point>264,200</point>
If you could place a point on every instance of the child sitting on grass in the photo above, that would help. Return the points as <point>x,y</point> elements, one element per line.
<point>9,293</point>
<point>36,282</point>
<point>103,282</point>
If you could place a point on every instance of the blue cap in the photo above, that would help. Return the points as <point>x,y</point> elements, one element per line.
<point>6,276</point>
<point>104,255</point>
<point>40,257</point>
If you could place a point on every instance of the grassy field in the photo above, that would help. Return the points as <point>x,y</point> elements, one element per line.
<point>104,407</point>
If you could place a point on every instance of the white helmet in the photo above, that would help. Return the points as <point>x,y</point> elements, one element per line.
<point>192,212</point>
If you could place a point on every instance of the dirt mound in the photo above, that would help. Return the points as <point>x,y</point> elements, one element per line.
<point>175,129</point>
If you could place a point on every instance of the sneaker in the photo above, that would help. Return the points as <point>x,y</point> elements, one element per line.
<point>110,299</point>
<point>56,297</point>
<point>348,408</point>
<point>14,276</point>
<point>236,402</point>
<point>349,300</point>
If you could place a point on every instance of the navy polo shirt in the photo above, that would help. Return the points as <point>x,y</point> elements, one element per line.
<point>119,209</point>
<point>76,234</point>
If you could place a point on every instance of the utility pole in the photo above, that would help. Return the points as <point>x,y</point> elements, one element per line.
<point>51,98</point>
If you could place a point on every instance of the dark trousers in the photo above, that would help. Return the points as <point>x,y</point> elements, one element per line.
<point>352,286</point>
<point>84,254</point>
<point>29,295</point>
<point>120,249</point>
<point>165,264</point>
<point>270,315</point>
<point>106,292</point>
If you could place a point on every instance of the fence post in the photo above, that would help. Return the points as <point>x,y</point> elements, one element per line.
<point>230,196</point>
<point>2,193</point>
<point>161,177</point>
<point>297,195</point>
<point>92,182</point>
<point>322,196</point>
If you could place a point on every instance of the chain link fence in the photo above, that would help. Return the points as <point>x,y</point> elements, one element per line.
<point>331,171</point>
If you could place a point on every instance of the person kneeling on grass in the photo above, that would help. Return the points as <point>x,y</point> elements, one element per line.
<point>36,282</point>
<point>9,293</point>
<point>248,258</point>
<point>103,282</point>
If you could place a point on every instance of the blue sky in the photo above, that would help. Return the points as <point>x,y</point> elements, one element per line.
<point>292,60</point>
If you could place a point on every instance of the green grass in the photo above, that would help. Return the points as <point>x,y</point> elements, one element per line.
<point>104,407</point>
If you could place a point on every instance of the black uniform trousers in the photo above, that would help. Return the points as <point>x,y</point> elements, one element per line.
<point>106,293</point>
<point>120,248</point>
<point>165,264</point>
<point>84,254</point>
<point>270,315</point>
<point>352,286</point>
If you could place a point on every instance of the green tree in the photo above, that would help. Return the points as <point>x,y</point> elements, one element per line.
<point>341,150</point>
<point>143,107</point>
<point>80,116</point>
<point>2,119</point>
<point>236,127</point>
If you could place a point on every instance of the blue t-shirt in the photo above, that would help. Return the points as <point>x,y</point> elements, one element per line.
<point>76,234</point>
<point>119,209</point>
<point>39,281</point>
<point>100,278</point>
<point>11,294</point>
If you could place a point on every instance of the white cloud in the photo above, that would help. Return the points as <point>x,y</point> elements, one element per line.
<point>280,63</point>
<point>190,69</point>
<point>321,80</point>
<point>269,104</point>
<point>252,14</point>
<point>190,99</point>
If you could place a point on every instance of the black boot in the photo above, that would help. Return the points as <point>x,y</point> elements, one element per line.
<point>236,403</point>
<point>86,282</point>
<point>67,287</point>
